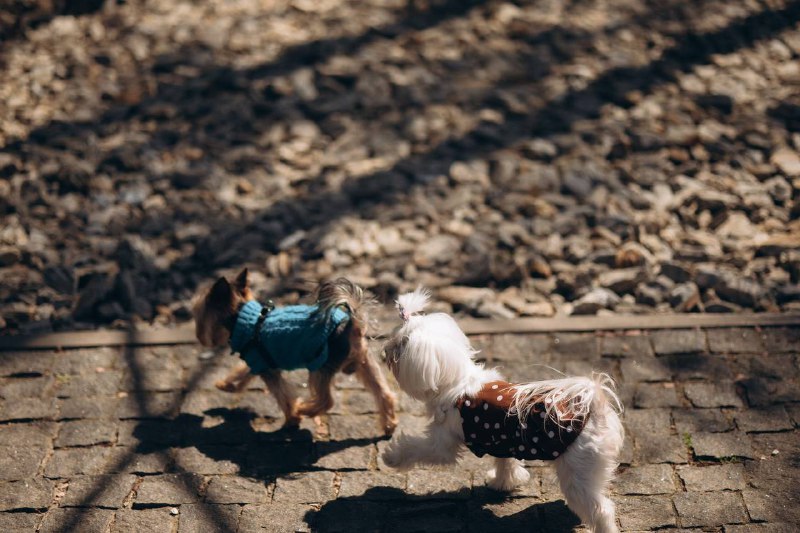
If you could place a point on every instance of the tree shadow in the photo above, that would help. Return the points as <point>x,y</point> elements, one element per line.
<point>221,117</point>
<point>384,509</point>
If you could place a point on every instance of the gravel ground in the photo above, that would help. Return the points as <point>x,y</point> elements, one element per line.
<point>521,158</point>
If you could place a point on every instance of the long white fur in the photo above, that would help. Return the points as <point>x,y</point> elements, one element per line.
<point>433,361</point>
<point>411,303</point>
<point>574,396</point>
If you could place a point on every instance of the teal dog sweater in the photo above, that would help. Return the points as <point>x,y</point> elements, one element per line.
<point>288,338</point>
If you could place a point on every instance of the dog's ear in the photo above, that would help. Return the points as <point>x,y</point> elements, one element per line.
<point>240,284</point>
<point>221,293</point>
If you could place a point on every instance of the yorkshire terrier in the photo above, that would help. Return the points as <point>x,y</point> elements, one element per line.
<point>573,421</point>
<point>324,338</point>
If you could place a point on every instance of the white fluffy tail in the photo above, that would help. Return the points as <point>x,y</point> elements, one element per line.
<point>575,397</point>
<point>411,303</point>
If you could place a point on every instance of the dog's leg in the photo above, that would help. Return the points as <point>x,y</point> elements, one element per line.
<point>507,474</point>
<point>321,400</point>
<point>586,470</point>
<point>284,394</point>
<point>237,380</point>
<point>371,376</point>
<point>441,445</point>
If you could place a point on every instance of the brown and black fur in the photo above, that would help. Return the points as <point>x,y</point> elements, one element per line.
<point>217,307</point>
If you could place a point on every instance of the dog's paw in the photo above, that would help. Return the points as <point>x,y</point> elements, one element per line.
<point>389,425</point>
<point>227,386</point>
<point>509,481</point>
<point>393,456</point>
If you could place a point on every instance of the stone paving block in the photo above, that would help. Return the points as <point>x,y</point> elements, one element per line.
<point>583,346</point>
<point>793,410</point>
<point>702,420</point>
<point>771,366</point>
<point>649,395</point>
<point>278,458</point>
<point>235,489</point>
<point>650,430</point>
<point>721,445</point>
<point>27,409</point>
<point>169,489</point>
<point>68,462</point>
<point>426,516</point>
<point>765,506</point>
<point>98,491</point>
<point>85,360</point>
<point>647,479</point>
<point>762,528</point>
<point>659,448</point>
<point>260,403</point>
<point>713,477</point>
<point>346,516</point>
<point>104,383</point>
<point>25,363</point>
<point>208,518</point>
<point>504,347</point>
<point>73,519</point>
<point>435,484</point>
<point>87,407</point>
<point>145,520</point>
<point>306,487</point>
<point>764,392</point>
<point>19,522</point>
<point>772,418</point>
<point>26,387</point>
<point>709,509</point>
<point>689,367</point>
<point>557,518</point>
<point>86,433</point>
<point>513,515</point>
<point>209,459</point>
<point>585,368</point>
<point>34,493</point>
<point>678,341</point>
<point>333,456</point>
<point>645,512</point>
<point>152,380</point>
<point>354,427</point>
<point>718,394</point>
<point>155,434</point>
<point>125,459</point>
<point>20,461</point>
<point>636,346</point>
<point>38,434</point>
<point>149,405</point>
<point>279,518</point>
<point>355,402</point>
<point>386,485</point>
<point>734,340</point>
<point>199,401</point>
<point>779,340</point>
<point>635,369</point>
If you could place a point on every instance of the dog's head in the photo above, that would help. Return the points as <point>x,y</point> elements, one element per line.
<point>428,354</point>
<point>216,307</point>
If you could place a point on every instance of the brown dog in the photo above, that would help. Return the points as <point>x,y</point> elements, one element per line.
<point>325,338</point>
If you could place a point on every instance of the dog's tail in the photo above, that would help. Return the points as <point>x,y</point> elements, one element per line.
<point>574,397</point>
<point>342,292</point>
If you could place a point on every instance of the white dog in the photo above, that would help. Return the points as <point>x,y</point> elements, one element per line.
<point>573,421</point>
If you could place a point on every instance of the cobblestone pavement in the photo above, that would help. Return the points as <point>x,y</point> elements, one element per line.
<point>139,440</point>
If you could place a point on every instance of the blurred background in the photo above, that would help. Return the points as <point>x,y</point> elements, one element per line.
<point>526,158</point>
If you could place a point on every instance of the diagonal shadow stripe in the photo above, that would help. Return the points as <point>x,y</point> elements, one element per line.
<point>72,524</point>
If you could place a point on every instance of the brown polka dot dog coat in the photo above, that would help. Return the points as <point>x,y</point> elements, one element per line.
<point>490,429</point>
